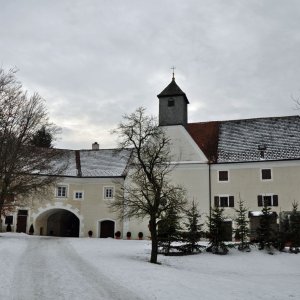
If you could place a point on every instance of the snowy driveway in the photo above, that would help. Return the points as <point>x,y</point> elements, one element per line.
<point>49,268</point>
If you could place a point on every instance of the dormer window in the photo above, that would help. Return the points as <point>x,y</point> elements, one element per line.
<point>171,102</point>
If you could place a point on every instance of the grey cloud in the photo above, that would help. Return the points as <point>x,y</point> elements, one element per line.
<point>93,61</point>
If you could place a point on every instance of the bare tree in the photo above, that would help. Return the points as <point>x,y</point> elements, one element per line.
<point>24,168</point>
<point>150,192</point>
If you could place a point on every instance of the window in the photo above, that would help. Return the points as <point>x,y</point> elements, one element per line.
<point>266,174</point>
<point>9,220</point>
<point>171,102</point>
<point>224,201</point>
<point>269,200</point>
<point>78,195</point>
<point>108,192</point>
<point>61,191</point>
<point>223,175</point>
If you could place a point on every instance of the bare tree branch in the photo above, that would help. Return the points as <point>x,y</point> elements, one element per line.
<point>24,169</point>
<point>150,192</point>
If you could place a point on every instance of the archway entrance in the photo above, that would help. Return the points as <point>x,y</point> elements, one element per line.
<point>63,223</point>
<point>107,229</point>
<point>58,222</point>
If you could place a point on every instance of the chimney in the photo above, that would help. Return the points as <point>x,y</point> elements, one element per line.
<point>95,146</point>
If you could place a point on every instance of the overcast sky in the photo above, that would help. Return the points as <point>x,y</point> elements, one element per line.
<point>94,61</point>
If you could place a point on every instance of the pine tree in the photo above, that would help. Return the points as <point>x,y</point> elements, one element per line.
<point>193,234</point>
<point>42,138</point>
<point>284,232</point>
<point>216,242</point>
<point>242,229</point>
<point>295,229</point>
<point>169,230</point>
<point>265,231</point>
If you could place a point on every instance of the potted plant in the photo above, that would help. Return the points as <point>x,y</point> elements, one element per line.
<point>140,235</point>
<point>90,233</point>
<point>31,230</point>
<point>128,235</point>
<point>118,235</point>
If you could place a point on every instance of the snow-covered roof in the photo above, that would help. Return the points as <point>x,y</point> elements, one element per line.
<point>97,163</point>
<point>260,213</point>
<point>274,138</point>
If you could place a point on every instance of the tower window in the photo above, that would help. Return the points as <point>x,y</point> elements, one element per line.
<point>171,102</point>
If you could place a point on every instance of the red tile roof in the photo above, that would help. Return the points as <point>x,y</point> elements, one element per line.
<point>206,135</point>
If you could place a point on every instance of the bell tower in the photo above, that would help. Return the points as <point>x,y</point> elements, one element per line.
<point>173,105</point>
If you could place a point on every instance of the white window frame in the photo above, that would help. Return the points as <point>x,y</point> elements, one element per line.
<point>105,189</point>
<point>66,187</point>
<point>261,174</point>
<point>78,198</point>
<point>222,181</point>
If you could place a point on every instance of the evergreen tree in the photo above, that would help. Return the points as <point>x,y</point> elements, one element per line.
<point>242,229</point>
<point>284,232</point>
<point>169,229</point>
<point>266,233</point>
<point>42,138</point>
<point>193,234</point>
<point>295,229</point>
<point>216,241</point>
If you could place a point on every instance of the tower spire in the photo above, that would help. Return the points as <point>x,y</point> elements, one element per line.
<point>173,77</point>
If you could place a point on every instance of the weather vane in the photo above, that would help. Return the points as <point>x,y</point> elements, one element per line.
<point>173,68</point>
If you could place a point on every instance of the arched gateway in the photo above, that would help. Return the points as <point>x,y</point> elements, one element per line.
<point>58,221</point>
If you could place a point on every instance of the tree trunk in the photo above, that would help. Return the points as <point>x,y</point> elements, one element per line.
<point>154,241</point>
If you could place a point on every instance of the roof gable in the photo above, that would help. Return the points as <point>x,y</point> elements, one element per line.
<point>205,134</point>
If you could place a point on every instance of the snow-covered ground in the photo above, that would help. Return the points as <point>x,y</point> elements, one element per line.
<point>91,269</point>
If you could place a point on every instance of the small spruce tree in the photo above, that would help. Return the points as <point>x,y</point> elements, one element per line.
<point>284,232</point>
<point>265,231</point>
<point>193,232</point>
<point>242,226</point>
<point>169,230</point>
<point>295,229</point>
<point>216,239</point>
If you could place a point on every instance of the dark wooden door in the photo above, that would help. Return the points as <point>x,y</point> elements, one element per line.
<point>107,229</point>
<point>22,221</point>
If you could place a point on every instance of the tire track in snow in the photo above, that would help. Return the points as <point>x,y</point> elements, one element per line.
<point>51,269</point>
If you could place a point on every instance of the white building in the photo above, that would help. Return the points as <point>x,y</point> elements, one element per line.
<point>257,160</point>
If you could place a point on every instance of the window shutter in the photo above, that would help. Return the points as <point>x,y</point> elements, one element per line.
<point>275,200</point>
<point>216,201</point>
<point>231,201</point>
<point>259,200</point>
